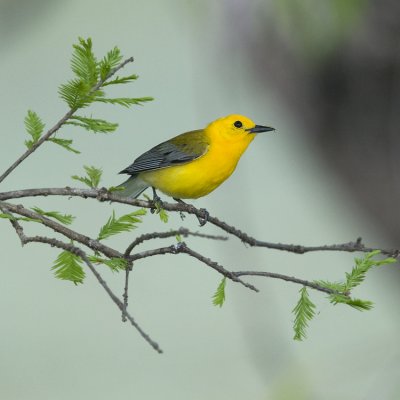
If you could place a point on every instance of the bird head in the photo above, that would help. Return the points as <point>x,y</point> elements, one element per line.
<point>236,127</point>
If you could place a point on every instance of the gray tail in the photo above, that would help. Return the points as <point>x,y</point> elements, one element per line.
<point>133,187</point>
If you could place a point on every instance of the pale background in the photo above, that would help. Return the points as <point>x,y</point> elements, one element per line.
<point>61,341</point>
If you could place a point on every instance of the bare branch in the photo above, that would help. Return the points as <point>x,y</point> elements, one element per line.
<point>287,278</point>
<point>120,305</point>
<point>217,267</point>
<point>163,235</point>
<point>181,247</point>
<point>125,296</point>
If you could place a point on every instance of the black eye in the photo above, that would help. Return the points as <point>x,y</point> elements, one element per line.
<point>238,124</point>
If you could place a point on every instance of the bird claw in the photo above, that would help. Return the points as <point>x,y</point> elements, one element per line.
<point>204,218</point>
<point>201,218</point>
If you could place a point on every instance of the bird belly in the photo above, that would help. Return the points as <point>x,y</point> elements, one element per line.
<point>196,178</point>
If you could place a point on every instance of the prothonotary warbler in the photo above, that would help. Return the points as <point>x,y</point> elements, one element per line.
<point>194,163</point>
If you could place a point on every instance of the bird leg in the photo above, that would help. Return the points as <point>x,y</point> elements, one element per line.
<point>202,220</point>
<point>156,201</point>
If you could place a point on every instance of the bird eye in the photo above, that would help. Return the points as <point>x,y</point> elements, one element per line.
<point>238,124</point>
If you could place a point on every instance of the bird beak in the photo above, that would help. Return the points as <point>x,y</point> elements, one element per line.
<point>260,128</point>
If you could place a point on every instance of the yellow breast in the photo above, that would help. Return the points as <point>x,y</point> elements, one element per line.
<point>199,177</point>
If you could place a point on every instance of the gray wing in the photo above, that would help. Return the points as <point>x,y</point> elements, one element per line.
<point>179,150</point>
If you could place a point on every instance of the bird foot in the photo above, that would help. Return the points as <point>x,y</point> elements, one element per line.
<point>204,218</point>
<point>157,202</point>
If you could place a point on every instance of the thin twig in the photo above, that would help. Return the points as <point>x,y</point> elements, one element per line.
<point>120,305</point>
<point>181,247</point>
<point>163,235</point>
<point>125,295</point>
<point>287,278</point>
<point>217,267</point>
<point>61,122</point>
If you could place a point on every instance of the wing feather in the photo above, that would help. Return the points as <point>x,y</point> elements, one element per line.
<point>178,150</point>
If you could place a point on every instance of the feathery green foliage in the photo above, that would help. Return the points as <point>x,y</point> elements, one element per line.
<point>90,77</point>
<point>14,218</point>
<point>339,287</point>
<point>115,264</point>
<point>354,279</point>
<point>65,219</point>
<point>124,101</point>
<point>304,312</point>
<point>68,267</point>
<point>109,62</point>
<point>34,126</point>
<point>93,124</point>
<point>122,224</point>
<point>113,189</point>
<point>358,304</point>
<point>305,309</point>
<point>219,295</point>
<point>66,143</point>
<point>7,216</point>
<point>79,92</point>
<point>124,79</point>
<point>93,176</point>
<point>363,265</point>
<point>84,63</point>
<point>163,214</point>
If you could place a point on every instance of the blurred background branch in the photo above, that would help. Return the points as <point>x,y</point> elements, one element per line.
<point>336,66</point>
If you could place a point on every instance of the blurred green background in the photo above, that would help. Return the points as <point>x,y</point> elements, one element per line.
<point>321,179</point>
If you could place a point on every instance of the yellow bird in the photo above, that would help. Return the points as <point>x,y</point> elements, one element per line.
<point>194,163</point>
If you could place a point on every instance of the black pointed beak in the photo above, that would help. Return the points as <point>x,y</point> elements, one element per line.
<point>260,128</point>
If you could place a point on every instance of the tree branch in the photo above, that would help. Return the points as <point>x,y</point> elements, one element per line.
<point>163,235</point>
<point>125,296</point>
<point>103,195</point>
<point>120,304</point>
<point>59,228</point>
<point>61,122</point>
<point>287,278</point>
<point>181,247</point>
